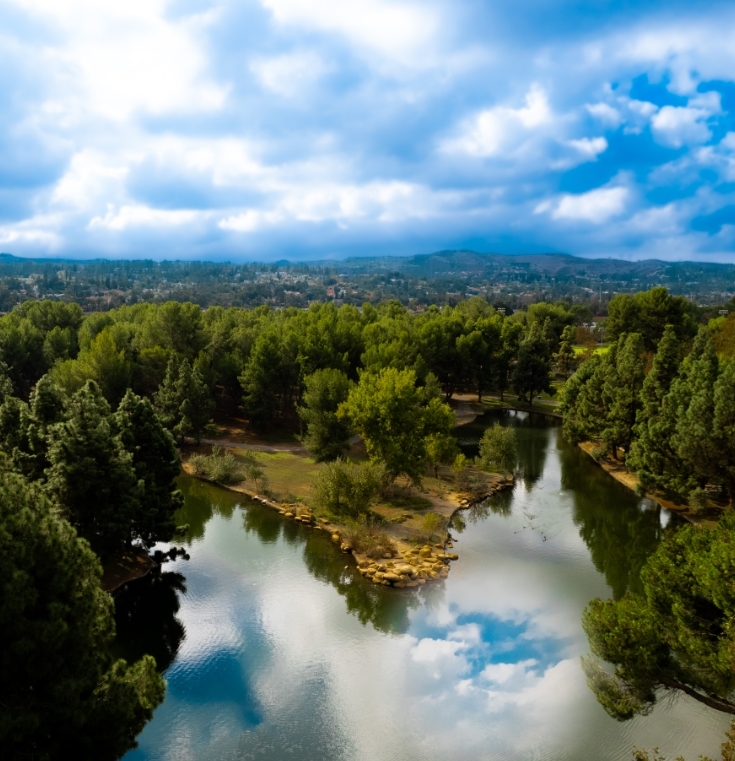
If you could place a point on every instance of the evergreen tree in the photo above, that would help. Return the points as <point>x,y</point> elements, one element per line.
<point>622,390</point>
<point>565,360</point>
<point>652,452</point>
<point>62,696</point>
<point>531,375</point>
<point>183,401</point>
<point>678,635</point>
<point>693,440</point>
<point>91,475</point>
<point>573,426</point>
<point>724,425</point>
<point>156,463</point>
<point>326,434</point>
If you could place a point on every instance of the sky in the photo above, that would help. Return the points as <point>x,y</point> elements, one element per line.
<point>309,129</point>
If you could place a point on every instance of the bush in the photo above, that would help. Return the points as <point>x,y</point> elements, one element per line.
<point>369,539</point>
<point>498,448</point>
<point>342,488</point>
<point>221,468</point>
<point>432,522</point>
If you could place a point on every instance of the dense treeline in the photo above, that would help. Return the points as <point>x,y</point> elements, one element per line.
<point>663,403</point>
<point>663,400</point>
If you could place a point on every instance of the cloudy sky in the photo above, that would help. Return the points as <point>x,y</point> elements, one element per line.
<point>268,129</point>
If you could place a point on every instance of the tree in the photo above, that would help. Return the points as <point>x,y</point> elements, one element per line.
<point>441,449</point>
<point>622,391</point>
<point>724,425</point>
<point>531,375</point>
<point>565,360</point>
<point>346,489</point>
<point>651,452</point>
<point>184,401</point>
<point>326,434</point>
<point>91,475</point>
<point>156,464</point>
<point>498,448</point>
<point>388,411</point>
<point>62,695</point>
<point>678,635</point>
<point>648,313</point>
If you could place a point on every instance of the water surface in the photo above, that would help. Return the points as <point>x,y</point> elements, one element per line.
<point>274,647</point>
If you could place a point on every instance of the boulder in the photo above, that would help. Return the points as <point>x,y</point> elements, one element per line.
<point>289,515</point>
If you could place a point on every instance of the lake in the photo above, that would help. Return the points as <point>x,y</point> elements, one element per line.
<point>274,647</point>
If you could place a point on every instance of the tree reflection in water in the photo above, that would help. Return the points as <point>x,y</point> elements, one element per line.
<point>145,618</point>
<point>620,530</point>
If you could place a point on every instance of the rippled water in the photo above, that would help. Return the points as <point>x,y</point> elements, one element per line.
<point>275,648</point>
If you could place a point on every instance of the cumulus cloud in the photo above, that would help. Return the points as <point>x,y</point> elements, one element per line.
<point>322,127</point>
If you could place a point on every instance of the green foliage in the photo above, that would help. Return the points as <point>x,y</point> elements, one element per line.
<point>345,489</point>
<point>221,467</point>
<point>91,475</point>
<point>368,538</point>
<point>441,449</point>
<point>679,633</point>
<point>498,448</point>
<point>183,401</point>
<point>531,375</point>
<point>156,463</point>
<point>63,697</point>
<point>326,434</point>
<point>432,522</point>
<point>388,411</point>
<point>648,313</point>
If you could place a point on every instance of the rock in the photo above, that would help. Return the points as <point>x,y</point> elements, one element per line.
<point>400,585</point>
<point>335,537</point>
<point>421,581</point>
<point>346,547</point>
<point>453,556</point>
<point>405,569</point>
<point>425,552</point>
<point>412,583</point>
<point>390,576</point>
<point>387,555</point>
<point>289,515</point>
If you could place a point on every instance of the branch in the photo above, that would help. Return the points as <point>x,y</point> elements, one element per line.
<point>719,704</point>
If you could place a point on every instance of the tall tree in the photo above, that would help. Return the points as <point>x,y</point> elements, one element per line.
<point>91,475</point>
<point>62,695</point>
<point>184,402</point>
<point>678,635</point>
<point>532,375</point>
<point>156,464</point>
<point>389,412</point>
<point>326,434</point>
<point>622,389</point>
<point>565,360</point>
<point>724,425</point>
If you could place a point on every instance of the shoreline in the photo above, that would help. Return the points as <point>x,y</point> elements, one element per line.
<point>619,472</point>
<point>133,564</point>
<point>410,565</point>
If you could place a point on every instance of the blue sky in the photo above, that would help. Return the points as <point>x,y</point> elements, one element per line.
<point>302,129</point>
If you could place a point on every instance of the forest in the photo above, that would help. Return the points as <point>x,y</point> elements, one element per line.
<point>94,407</point>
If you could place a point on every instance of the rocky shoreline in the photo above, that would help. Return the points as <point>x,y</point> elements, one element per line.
<point>409,566</point>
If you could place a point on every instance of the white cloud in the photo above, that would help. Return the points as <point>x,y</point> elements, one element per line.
<point>144,216</point>
<point>605,113</point>
<point>596,206</point>
<point>114,58</point>
<point>685,125</point>
<point>589,148</point>
<point>291,74</point>
<point>401,31</point>
<point>494,129</point>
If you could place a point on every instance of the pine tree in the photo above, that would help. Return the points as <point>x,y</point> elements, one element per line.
<point>724,425</point>
<point>531,375</point>
<point>651,452</point>
<point>693,439</point>
<point>91,475</point>
<point>622,390</point>
<point>156,463</point>
<point>62,696</point>
<point>183,401</point>
<point>326,434</point>
<point>565,360</point>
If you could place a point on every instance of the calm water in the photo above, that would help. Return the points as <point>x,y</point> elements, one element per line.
<point>274,648</point>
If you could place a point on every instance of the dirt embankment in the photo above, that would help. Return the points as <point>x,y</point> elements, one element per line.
<point>617,469</point>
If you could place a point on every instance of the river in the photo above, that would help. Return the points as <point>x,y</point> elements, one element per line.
<point>274,648</point>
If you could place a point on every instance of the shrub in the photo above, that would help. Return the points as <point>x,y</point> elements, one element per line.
<point>432,522</point>
<point>222,468</point>
<point>498,448</point>
<point>342,488</point>
<point>369,539</point>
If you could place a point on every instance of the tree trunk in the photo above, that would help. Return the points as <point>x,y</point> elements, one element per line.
<point>719,704</point>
